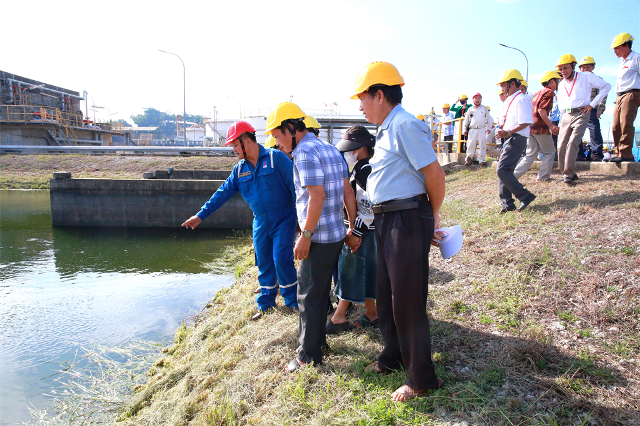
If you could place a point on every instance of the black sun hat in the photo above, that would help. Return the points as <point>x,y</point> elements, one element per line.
<point>354,138</point>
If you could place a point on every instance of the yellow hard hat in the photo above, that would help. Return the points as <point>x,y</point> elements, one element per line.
<point>420,117</point>
<point>463,97</point>
<point>500,92</point>
<point>284,111</point>
<point>488,108</point>
<point>549,75</point>
<point>311,122</point>
<point>510,74</point>
<point>566,59</point>
<point>524,83</point>
<point>621,39</point>
<point>587,60</point>
<point>377,73</point>
<point>270,142</point>
<point>446,106</point>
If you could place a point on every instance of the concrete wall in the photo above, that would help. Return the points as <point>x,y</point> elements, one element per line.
<point>141,203</point>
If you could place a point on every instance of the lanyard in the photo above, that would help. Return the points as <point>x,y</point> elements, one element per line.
<point>575,77</point>
<point>504,119</point>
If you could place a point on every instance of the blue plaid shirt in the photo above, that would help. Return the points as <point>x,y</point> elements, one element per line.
<point>316,162</point>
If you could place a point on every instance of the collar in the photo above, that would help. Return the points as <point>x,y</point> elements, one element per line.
<point>309,136</point>
<point>631,55</point>
<point>396,109</point>
<point>515,94</point>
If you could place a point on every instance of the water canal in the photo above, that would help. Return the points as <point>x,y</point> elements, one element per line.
<point>62,289</point>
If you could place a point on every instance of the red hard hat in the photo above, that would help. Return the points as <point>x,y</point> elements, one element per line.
<point>477,94</point>
<point>237,129</point>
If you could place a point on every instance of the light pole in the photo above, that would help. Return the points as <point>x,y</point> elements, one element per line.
<point>100,107</point>
<point>239,106</point>
<point>525,57</point>
<point>184,90</point>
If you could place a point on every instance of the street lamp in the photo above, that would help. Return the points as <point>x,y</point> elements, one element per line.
<point>184,90</point>
<point>99,107</point>
<point>239,106</point>
<point>525,57</point>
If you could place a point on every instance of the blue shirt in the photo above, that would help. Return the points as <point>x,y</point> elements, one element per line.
<point>316,162</point>
<point>267,188</point>
<point>403,147</point>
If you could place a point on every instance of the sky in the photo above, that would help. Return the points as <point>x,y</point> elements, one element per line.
<point>252,55</point>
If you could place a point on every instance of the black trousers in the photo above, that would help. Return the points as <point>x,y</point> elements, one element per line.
<point>314,283</point>
<point>404,241</point>
<point>509,185</point>
<point>448,147</point>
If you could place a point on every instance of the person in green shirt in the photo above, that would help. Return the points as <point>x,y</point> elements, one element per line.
<point>459,109</point>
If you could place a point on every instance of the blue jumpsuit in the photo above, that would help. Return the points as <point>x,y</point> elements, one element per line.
<point>269,191</point>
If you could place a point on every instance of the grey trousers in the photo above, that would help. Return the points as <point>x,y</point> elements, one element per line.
<point>538,143</point>
<point>572,127</point>
<point>508,184</point>
<point>314,283</point>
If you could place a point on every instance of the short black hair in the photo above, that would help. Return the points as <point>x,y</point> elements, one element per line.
<point>516,81</point>
<point>297,125</point>
<point>252,136</point>
<point>313,130</point>
<point>546,83</point>
<point>393,94</point>
<point>628,43</point>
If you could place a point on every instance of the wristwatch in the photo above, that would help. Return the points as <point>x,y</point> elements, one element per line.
<point>307,234</point>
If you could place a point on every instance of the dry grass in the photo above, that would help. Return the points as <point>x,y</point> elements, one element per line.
<point>535,322</point>
<point>34,171</point>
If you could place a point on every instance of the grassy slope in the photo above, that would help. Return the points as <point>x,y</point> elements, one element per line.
<point>534,322</point>
<point>34,171</point>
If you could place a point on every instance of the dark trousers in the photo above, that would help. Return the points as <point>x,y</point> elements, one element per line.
<point>314,283</point>
<point>463,145</point>
<point>508,184</point>
<point>595,144</point>
<point>404,240</point>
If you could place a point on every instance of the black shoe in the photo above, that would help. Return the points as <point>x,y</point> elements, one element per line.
<point>507,209</point>
<point>574,178</point>
<point>526,202</point>
<point>483,164</point>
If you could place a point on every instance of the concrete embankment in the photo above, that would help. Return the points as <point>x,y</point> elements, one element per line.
<point>141,203</point>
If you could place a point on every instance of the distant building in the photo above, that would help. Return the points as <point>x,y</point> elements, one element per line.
<point>36,113</point>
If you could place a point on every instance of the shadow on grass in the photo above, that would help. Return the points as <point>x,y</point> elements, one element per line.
<point>494,379</point>
<point>437,276</point>
<point>599,202</point>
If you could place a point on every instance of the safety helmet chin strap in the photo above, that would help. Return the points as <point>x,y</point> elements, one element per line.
<point>244,152</point>
<point>293,135</point>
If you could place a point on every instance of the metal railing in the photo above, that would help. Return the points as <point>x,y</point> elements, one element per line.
<point>457,136</point>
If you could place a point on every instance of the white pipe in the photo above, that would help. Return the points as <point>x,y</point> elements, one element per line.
<point>45,88</point>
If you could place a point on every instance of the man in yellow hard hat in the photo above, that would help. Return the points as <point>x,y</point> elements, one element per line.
<point>447,126</point>
<point>406,187</point>
<point>540,139</point>
<point>476,127</point>
<point>459,109</point>
<point>312,125</point>
<point>628,100</point>
<point>321,180</point>
<point>517,117</point>
<point>574,100</point>
<point>588,64</point>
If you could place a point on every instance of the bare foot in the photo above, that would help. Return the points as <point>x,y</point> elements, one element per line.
<point>406,392</point>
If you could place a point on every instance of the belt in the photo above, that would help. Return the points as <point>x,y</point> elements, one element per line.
<point>574,110</point>
<point>628,91</point>
<point>483,127</point>
<point>396,205</point>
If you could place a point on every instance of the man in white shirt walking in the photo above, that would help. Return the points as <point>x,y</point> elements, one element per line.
<point>517,116</point>
<point>628,100</point>
<point>574,100</point>
<point>477,125</point>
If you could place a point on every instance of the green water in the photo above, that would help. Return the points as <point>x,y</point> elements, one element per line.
<point>65,288</point>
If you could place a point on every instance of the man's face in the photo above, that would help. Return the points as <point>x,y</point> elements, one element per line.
<point>587,67</point>
<point>477,100</point>
<point>370,108</point>
<point>565,70</point>
<point>504,86</point>
<point>284,140</point>
<point>237,148</point>
<point>553,84</point>
<point>445,110</point>
<point>463,101</point>
<point>622,51</point>
<point>523,88</point>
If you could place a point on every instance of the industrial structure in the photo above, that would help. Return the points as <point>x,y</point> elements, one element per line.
<point>36,113</point>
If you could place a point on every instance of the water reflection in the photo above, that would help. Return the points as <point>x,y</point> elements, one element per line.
<point>63,288</point>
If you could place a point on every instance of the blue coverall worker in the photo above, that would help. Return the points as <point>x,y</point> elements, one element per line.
<point>267,186</point>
